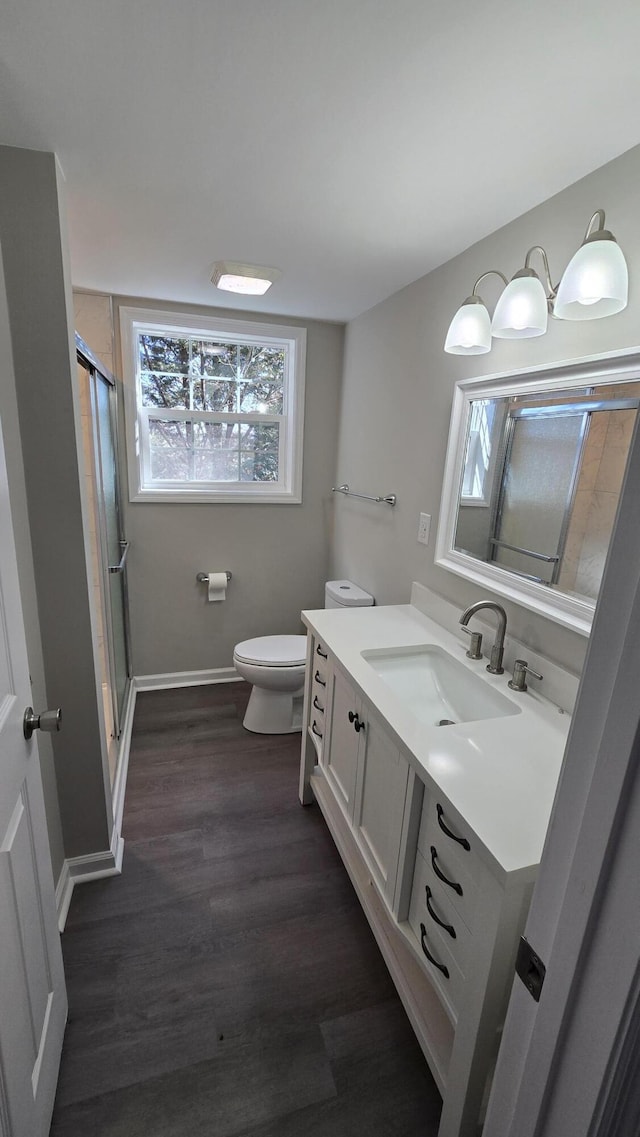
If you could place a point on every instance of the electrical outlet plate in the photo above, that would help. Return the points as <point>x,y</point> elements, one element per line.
<point>424,526</point>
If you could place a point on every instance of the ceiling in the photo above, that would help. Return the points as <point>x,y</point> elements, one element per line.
<point>353,144</point>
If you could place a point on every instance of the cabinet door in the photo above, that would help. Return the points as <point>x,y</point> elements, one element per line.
<point>341,755</point>
<point>379,803</point>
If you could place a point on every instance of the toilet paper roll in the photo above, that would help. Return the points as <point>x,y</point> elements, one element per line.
<point>217,585</point>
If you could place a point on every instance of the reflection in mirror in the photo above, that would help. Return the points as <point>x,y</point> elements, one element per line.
<point>540,482</point>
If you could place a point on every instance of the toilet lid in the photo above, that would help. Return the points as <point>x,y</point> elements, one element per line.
<point>273,651</point>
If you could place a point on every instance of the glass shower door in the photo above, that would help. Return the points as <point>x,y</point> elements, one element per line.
<point>541,464</point>
<point>113,544</point>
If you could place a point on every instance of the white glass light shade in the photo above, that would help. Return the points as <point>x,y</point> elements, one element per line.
<point>470,329</point>
<point>251,280</point>
<point>521,311</point>
<point>595,283</point>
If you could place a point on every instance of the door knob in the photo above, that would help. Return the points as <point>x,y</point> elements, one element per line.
<point>50,721</point>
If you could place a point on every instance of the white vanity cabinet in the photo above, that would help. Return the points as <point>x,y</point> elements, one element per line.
<point>446,909</point>
<point>362,766</point>
<point>369,778</point>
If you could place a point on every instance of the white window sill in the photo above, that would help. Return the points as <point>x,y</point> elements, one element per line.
<point>184,497</point>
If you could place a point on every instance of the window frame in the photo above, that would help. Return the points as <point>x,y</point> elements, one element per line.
<point>288,488</point>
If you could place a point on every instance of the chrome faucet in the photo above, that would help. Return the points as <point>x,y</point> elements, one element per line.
<point>495,662</point>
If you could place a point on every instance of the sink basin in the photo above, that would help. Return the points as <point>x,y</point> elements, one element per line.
<point>435,687</point>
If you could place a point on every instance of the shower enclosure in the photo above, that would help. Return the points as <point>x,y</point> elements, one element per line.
<point>109,548</point>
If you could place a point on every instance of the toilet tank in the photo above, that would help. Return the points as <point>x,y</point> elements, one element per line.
<point>345,594</point>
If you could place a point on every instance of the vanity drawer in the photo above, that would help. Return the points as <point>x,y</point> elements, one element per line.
<point>440,954</point>
<point>453,868</point>
<point>431,906</point>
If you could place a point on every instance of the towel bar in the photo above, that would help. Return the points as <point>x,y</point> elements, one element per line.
<point>388,499</point>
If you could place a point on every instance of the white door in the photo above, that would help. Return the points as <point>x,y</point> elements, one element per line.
<point>33,1002</point>
<point>568,1064</point>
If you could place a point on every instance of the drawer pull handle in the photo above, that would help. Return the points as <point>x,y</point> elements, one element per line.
<point>318,733</point>
<point>321,652</point>
<point>352,716</point>
<point>441,967</point>
<point>434,916</point>
<point>317,704</point>
<point>319,680</point>
<point>461,840</point>
<point>439,873</point>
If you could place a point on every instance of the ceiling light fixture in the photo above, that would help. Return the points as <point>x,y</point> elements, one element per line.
<point>251,280</point>
<point>594,284</point>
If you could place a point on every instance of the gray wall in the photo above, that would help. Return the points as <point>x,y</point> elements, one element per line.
<point>278,554</point>
<point>24,554</point>
<point>398,389</point>
<point>33,239</point>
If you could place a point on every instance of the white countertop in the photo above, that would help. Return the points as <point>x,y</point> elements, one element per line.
<point>499,774</point>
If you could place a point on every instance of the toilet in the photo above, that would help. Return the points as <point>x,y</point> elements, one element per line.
<point>275,667</point>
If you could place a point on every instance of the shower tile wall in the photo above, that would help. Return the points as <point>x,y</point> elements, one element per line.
<point>94,324</point>
<point>596,502</point>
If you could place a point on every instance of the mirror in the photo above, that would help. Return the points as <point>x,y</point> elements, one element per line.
<point>533,475</point>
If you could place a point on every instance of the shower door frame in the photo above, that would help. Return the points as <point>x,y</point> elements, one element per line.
<point>98,371</point>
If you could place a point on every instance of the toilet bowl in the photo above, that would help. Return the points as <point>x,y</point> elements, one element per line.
<point>275,666</point>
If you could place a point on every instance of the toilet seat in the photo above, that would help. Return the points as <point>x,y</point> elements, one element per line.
<point>273,651</point>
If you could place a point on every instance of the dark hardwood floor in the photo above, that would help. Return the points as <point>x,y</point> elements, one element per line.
<point>227,983</point>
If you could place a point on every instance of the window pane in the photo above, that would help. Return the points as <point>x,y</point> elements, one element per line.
<point>164,391</point>
<point>213,359</point>
<point>216,435</point>
<point>255,436</point>
<point>259,452</point>
<point>164,353</point>
<point>266,364</point>
<point>216,466</point>
<point>261,397</point>
<point>259,466</point>
<point>170,449</point>
<point>214,395</point>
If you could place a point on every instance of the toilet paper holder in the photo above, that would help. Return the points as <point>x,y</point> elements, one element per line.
<point>203,577</point>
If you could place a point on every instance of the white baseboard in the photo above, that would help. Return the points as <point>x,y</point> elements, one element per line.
<point>94,866</point>
<point>64,892</point>
<point>120,780</point>
<point>185,679</point>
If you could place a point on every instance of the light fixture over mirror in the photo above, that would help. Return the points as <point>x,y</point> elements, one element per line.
<point>470,330</point>
<point>533,474</point>
<point>596,280</point>
<point>595,284</point>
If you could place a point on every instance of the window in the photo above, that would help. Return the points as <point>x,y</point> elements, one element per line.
<point>475,481</point>
<point>214,409</point>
